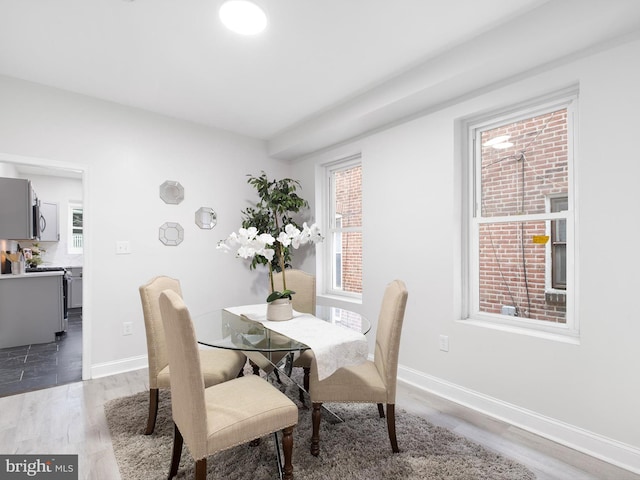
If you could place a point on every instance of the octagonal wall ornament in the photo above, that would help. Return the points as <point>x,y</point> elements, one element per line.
<point>206,218</point>
<point>172,192</point>
<point>171,234</point>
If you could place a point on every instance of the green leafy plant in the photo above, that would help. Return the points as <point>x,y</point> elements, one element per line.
<point>269,231</point>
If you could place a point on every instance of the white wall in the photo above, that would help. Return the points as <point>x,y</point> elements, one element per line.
<point>584,395</point>
<point>126,155</point>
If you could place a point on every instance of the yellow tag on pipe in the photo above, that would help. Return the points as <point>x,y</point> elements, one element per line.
<point>540,239</point>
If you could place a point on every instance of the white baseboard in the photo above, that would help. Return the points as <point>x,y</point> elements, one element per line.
<point>604,448</point>
<point>119,366</point>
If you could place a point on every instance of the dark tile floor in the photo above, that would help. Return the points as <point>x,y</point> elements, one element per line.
<point>33,367</point>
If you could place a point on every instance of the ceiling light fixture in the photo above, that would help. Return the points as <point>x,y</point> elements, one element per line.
<point>243,17</point>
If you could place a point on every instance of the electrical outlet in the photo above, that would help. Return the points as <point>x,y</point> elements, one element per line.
<point>123,247</point>
<point>127,328</point>
<point>444,343</point>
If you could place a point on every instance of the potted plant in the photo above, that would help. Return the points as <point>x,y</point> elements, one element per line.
<point>269,233</point>
<point>33,255</point>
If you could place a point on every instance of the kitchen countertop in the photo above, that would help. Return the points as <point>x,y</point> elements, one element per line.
<point>32,274</point>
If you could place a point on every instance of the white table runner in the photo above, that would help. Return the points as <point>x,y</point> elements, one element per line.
<point>333,346</point>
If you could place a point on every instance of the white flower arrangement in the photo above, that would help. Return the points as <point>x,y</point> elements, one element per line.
<point>249,243</point>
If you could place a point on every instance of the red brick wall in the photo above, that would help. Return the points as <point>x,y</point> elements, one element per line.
<point>504,280</point>
<point>349,205</point>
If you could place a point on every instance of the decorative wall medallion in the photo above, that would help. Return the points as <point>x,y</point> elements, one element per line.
<point>171,234</point>
<point>172,192</point>
<point>206,218</point>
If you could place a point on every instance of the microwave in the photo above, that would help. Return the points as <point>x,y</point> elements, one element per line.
<point>19,210</point>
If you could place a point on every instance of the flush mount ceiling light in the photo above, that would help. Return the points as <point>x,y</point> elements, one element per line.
<point>243,17</point>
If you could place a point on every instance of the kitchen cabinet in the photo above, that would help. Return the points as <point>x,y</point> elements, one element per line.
<point>74,290</point>
<point>31,308</point>
<point>18,209</point>
<point>49,225</point>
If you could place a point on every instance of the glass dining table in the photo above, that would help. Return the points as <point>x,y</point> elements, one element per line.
<point>225,329</point>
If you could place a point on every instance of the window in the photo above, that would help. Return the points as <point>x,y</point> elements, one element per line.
<point>520,230</point>
<point>343,216</point>
<point>76,238</point>
<point>558,245</point>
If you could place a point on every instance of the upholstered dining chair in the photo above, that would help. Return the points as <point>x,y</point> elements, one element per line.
<point>224,415</point>
<point>303,301</point>
<point>218,365</point>
<point>371,381</point>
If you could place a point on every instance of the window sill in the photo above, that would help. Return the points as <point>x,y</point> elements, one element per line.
<point>328,299</point>
<point>566,336</point>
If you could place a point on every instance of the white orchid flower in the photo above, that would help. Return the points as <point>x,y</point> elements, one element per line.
<point>310,234</point>
<point>316,235</point>
<point>290,236</point>
<point>284,239</point>
<point>266,238</point>
<point>291,230</point>
<point>246,251</point>
<point>248,243</point>
<point>268,253</point>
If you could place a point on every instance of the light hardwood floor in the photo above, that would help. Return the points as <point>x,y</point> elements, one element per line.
<point>70,419</point>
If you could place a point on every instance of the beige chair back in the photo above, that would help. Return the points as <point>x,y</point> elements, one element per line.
<point>388,333</point>
<point>156,347</point>
<point>304,284</point>
<point>187,384</point>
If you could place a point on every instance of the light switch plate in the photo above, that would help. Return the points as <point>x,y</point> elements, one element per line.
<point>444,343</point>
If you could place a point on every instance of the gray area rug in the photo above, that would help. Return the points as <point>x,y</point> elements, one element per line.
<point>356,449</point>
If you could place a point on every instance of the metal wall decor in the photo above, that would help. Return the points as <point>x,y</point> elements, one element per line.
<point>171,233</point>
<point>172,192</point>
<point>206,218</point>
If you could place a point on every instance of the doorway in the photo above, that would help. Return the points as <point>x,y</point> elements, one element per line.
<point>65,360</point>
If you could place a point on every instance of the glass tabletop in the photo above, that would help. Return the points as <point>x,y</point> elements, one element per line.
<point>223,329</point>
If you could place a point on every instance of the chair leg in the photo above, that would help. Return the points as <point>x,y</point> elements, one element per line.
<point>201,469</point>
<point>307,372</point>
<point>316,414</point>
<point>256,368</point>
<point>381,410</point>
<point>287,449</point>
<point>177,452</point>
<point>391,427</point>
<point>153,410</point>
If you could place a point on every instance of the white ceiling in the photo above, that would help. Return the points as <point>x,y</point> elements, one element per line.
<point>174,57</point>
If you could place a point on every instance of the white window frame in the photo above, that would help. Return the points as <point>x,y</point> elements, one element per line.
<point>548,280</point>
<point>470,311</point>
<point>71,248</point>
<point>328,216</point>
